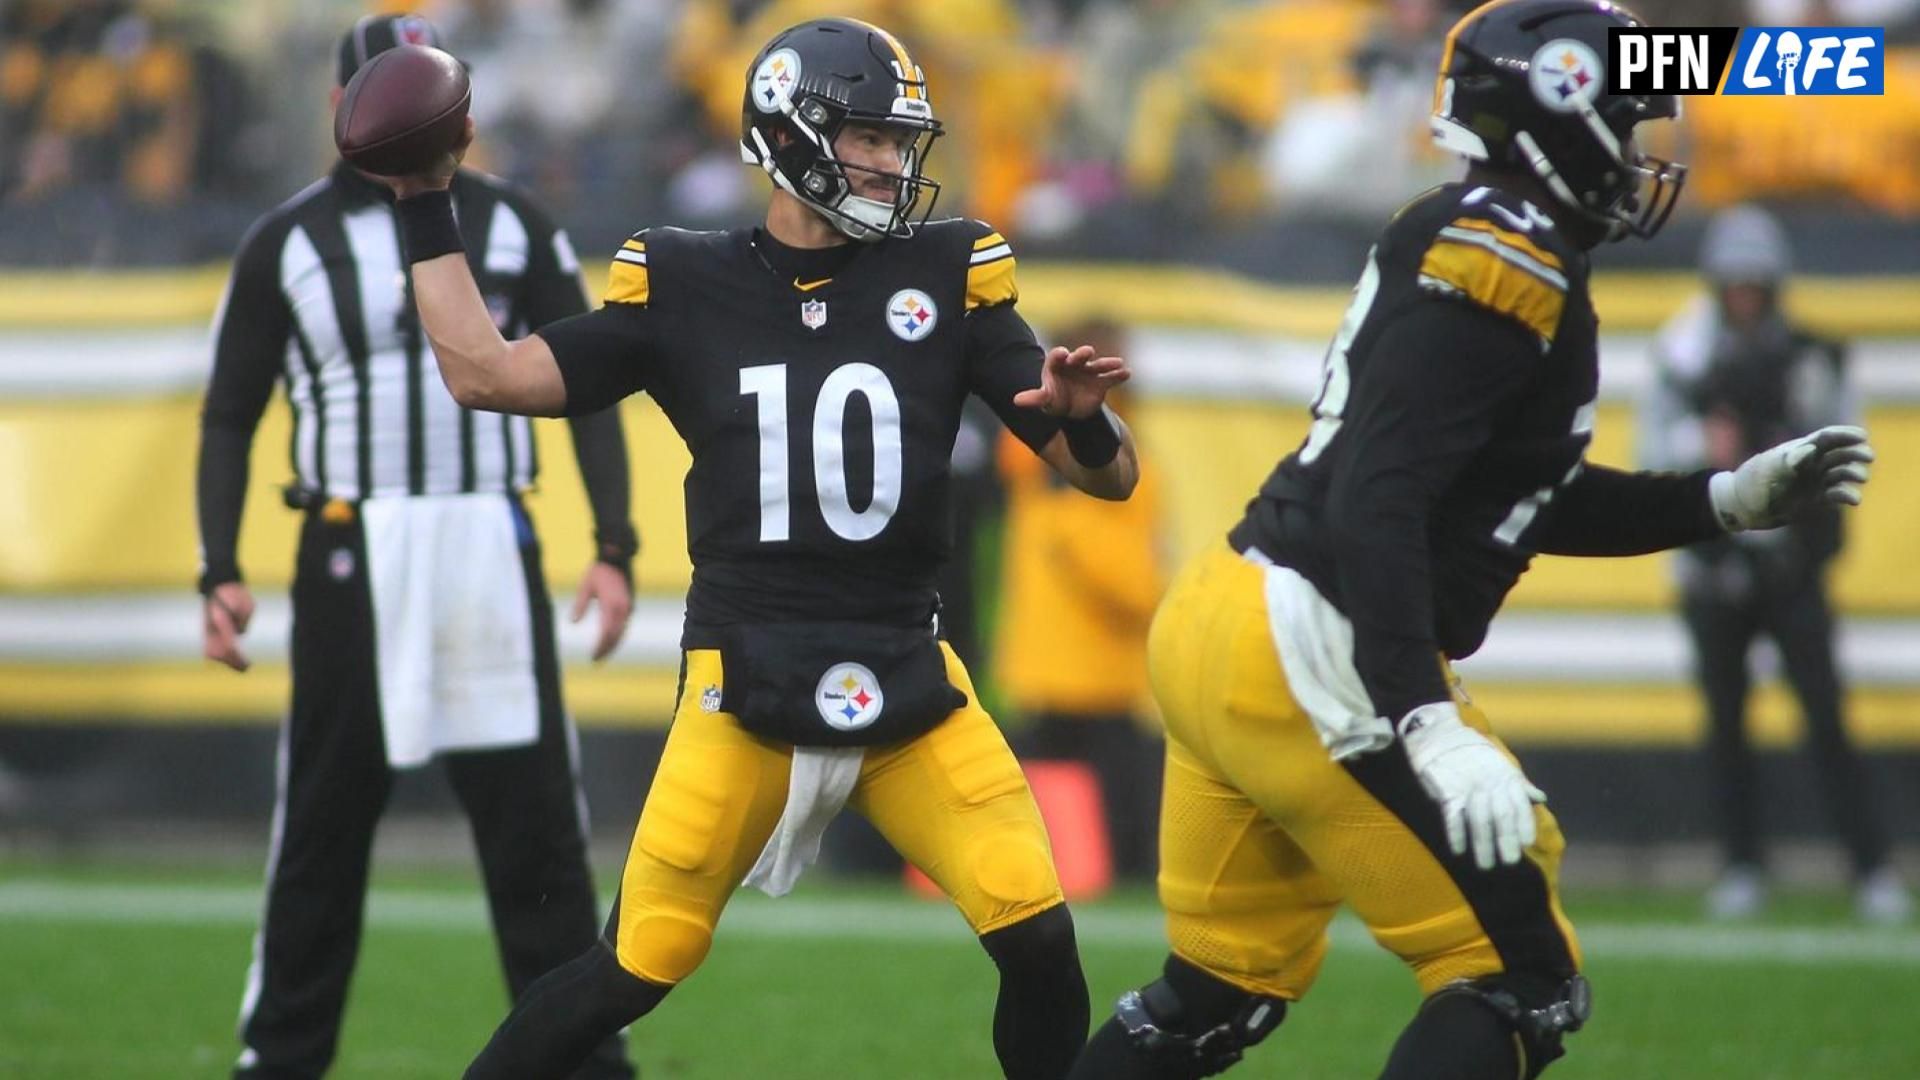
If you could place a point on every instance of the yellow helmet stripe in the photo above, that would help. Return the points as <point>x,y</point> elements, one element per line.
<point>1446,51</point>
<point>909,77</point>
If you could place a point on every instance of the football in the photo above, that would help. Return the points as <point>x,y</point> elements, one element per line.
<point>402,109</point>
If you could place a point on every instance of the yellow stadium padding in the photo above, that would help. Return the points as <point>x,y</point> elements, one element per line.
<point>1051,294</point>
<point>57,535</point>
<point>633,697</point>
<point>168,692</point>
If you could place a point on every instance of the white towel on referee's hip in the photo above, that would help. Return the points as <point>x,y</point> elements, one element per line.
<point>822,778</point>
<point>453,628</point>
<point>1315,643</point>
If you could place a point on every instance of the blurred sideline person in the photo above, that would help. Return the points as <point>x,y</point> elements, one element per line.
<point>1733,376</point>
<point>1319,751</point>
<point>422,627</point>
<point>1079,581</point>
<point>816,367</point>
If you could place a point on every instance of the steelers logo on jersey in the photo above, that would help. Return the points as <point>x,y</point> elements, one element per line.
<point>775,80</point>
<point>849,697</point>
<point>911,314</point>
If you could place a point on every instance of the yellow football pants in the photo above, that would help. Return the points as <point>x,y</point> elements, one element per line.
<point>953,802</point>
<point>1263,836</point>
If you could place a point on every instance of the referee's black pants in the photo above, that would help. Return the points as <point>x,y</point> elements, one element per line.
<point>333,779</point>
<point>1793,611</point>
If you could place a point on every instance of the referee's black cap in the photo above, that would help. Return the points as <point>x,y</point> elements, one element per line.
<point>375,34</point>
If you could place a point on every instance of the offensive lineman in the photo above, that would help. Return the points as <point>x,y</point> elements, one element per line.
<point>1319,751</point>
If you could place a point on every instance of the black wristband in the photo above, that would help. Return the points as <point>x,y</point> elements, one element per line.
<point>212,577</point>
<point>1094,441</point>
<point>619,555</point>
<point>427,228</point>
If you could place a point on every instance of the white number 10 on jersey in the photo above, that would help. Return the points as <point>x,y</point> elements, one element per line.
<point>767,385</point>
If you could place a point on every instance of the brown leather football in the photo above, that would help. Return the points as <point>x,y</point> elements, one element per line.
<point>402,110</point>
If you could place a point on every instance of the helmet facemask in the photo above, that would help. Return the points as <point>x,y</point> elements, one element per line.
<point>1637,191</point>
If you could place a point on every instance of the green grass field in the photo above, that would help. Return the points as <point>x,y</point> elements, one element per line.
<point>114,971</point>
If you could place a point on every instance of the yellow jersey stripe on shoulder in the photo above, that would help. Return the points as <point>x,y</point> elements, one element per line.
<point>990,281</point>
<point>1513,256</point>
<point>1510,238</point>
<point>1476,272</point>
<point>627,281</point>
<point>636,244</point>
<point>992,239</point>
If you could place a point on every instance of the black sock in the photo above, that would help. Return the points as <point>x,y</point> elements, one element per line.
<point>563,1016</point>
<point>1041,1017</point>
<point>1205,1002</point>
<point>1112,1055</point>
<point>1455,1037</point>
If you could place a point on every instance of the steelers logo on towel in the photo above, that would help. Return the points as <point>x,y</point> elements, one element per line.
<point>911,314</point>
<point>848,697</point>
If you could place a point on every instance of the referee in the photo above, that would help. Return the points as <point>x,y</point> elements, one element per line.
<point>422,627</point>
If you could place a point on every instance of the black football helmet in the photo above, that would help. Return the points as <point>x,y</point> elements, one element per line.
<point>807,84</point>
<point>1523,83</point>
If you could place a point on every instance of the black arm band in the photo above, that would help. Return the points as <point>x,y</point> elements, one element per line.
<point>427,228</point>
<point>1093,441</point>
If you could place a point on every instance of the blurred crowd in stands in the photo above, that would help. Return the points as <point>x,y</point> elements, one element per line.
<point>151,131</point>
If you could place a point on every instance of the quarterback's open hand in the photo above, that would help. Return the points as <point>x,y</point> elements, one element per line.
<point>1074,384</point>
<point>1485,798</point>
<point>608,588</point>
<point>1774,486</point>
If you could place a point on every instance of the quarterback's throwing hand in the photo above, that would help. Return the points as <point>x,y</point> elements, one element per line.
<point>1485,798</point>
<point>1073,384</point>
<point>1774,486</point>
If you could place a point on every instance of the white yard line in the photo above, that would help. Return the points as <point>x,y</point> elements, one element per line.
<point>908,921</point>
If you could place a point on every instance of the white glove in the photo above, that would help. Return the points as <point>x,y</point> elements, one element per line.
<point>1483,795</point>
<point>1776,485</point>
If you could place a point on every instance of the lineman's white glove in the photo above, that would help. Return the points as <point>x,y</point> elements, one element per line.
<point>1773,486</point>
<point>1483,795</point>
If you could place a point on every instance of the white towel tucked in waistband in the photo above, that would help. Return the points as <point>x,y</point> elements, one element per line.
<point>823,777</point>
<point>452,624</point>
<point>1315,643</point>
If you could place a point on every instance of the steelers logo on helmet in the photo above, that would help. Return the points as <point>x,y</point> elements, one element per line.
<point>911,314</point>
<point>775,80</point>
<point>1566,75</point>
<point>849,697</point>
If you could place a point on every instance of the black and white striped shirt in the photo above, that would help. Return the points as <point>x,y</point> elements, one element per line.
<point>320,301</point>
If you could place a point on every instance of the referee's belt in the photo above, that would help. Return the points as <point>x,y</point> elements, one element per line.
<point>331,511</point>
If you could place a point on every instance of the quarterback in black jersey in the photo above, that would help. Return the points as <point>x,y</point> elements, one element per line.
<point>816,368</point>
<point>1319,752</point>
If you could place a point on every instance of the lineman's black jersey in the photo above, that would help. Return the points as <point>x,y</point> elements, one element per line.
<point>819,394</point>
<point>1448,441</point>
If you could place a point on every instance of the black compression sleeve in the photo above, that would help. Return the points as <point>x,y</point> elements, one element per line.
<point>1610,512</point>
<point>1004,358</point>
<point>603,354</point>
<point>600,446</point>
<point>249,342</point>
<point>1436,377</point>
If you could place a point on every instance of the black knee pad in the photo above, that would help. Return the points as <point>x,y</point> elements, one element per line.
<point>1194,1023</point>
<point>1541,1009</point>
<point>1041,942</point>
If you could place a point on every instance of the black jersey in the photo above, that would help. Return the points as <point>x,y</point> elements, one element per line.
<point>1449,438</point>
<point>821,413</point>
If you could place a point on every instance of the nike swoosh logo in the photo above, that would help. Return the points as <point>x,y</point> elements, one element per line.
<point>809,286</point>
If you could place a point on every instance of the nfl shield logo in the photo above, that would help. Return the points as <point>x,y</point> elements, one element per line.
<point>813,313</point>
